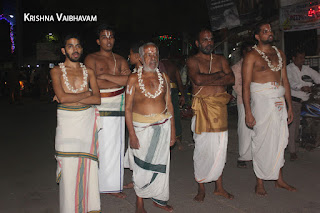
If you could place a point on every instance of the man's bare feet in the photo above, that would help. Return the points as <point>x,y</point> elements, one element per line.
<point>200,196</point>
<point>140,210</point>
<point>260,190</point>
<point>166,208</point>
<point>128,186</point>
<point>118,195</point>
<point>224,193</point>
<point>140,205</point>
<point>284,185</point>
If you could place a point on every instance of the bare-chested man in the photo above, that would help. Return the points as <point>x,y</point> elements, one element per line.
<point>150,122</point>
<point>112,73</point>
<point>167,66</point>
<point>75,143</point>
<point>265,82</point>
<point>209,74</point>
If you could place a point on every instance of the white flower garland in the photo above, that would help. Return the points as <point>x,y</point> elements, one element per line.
<point>66,81</point>
<point>142,87</point>
<point>263,55</point>
<point>135,69</point>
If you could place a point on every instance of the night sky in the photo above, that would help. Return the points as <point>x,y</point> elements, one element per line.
<point>133,20</point>
<point>132,16</point>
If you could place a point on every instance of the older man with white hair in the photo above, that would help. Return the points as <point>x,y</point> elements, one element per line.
<point>150,122</point>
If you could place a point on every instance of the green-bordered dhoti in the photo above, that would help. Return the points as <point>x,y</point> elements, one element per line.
<point>111,140</point>
<point>150,163</point>
<point>77,158</point>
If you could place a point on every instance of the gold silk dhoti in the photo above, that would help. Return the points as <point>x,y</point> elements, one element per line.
<point>211,112</point>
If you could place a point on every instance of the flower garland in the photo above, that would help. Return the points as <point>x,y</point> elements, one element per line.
<point>66,81</point>
<point>142,86</point>
<point>263,55</point>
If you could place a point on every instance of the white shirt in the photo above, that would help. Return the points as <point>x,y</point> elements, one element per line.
<point>296,82</point>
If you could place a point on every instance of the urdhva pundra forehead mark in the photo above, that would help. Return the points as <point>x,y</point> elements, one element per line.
<point>108,34</point>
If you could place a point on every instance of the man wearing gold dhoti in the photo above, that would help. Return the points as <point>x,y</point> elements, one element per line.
<point>209,74</point>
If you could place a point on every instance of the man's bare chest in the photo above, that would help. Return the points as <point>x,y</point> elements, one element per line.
<point>264,65</point>
<point>106,66</point>
<point>208,67</point>
<point>153,84</point>
<point>73,80</point>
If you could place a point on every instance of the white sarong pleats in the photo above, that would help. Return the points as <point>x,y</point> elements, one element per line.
<point>150,163</point>
<point>111,142</point>
<point>270,136</point>
<point>210,154</point>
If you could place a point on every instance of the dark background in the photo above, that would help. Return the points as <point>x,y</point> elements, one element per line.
<point>133,21</point>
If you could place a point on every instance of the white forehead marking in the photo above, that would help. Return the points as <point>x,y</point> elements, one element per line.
<point>150,49</point>
<point>108,34</point>
<point>129,92</point>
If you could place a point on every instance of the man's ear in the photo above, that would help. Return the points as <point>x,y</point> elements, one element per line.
<point>256,36</point>
<point>197,43</point>
<point>98,42</point>
<point>63,51</point>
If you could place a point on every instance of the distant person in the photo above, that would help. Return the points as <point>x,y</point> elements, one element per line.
<point>265,92</point>
<point>300,91</point>
<point>14,86</point>
<point>209,74</point>
<point>76,144</point>
<point>43,82</point>
<point>244,133</point>
<point>167,66</point>
<point>134,57</point>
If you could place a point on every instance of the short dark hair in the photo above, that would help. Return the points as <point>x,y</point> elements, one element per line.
<point>257,28</point>
<point>298,50</point>
<point>135,46</point>
<point>69,36</point>
<point>103,27</point>
<point>202,30</point>
<point>245,45</point>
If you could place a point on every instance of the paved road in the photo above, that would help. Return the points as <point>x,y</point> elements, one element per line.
<point>28,172</point>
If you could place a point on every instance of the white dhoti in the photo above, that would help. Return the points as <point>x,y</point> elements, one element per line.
<point>210,154</point>
<point>111,140</point>
<point>210,133</point>
<point>270,136</point>
<point>244,135</point>
<point>150,163</point>
<point>77,158</point>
